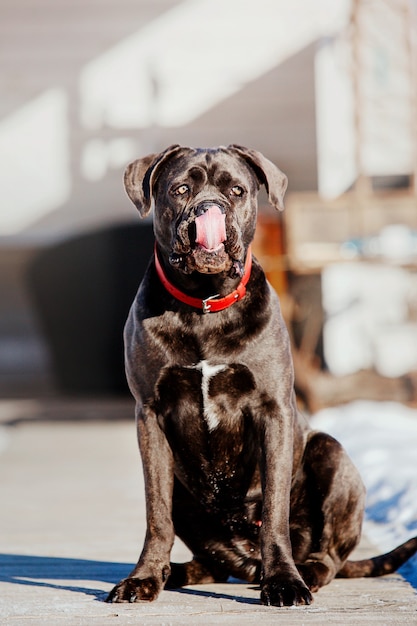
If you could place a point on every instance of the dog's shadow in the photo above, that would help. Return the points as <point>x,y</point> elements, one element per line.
<point>204,593</point>
<point>69,574</point>
<point>60,573</point>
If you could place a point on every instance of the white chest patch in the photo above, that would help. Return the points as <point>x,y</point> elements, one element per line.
<point>209,407</point>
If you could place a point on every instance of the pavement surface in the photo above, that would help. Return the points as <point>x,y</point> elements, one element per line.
<point>72,522</point>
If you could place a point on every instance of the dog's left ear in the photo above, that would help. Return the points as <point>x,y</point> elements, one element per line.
<point>269,174</point>
<point>140,176</point>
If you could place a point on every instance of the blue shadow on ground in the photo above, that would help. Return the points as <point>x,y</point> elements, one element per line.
<point>43,571</point>
<point>409,571</point>
<point>63,573</point>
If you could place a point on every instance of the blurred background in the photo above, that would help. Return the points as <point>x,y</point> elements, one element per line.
<point>326,90</point>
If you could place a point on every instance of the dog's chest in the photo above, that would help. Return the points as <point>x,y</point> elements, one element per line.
<point>211,394</point>
<point>205,411</point>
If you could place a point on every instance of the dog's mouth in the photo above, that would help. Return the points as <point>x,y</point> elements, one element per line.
<point>202,239</point>
<point>210,228</point>
<point>208,234</point>
<point>208,255</point>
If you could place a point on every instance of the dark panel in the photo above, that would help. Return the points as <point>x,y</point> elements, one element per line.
<point>82,291</point>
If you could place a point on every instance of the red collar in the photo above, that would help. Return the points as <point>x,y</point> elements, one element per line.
<point>213,303</point>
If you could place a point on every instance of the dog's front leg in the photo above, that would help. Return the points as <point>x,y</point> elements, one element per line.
<point>281,584</point>
<point>147,579</point>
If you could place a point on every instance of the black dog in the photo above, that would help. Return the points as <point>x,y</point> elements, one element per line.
<point>230,465</point>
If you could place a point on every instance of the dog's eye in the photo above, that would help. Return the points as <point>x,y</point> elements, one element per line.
<point>237,190</point>
<point>181,190</point>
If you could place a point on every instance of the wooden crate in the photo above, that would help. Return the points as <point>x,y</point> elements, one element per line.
<point>316,228</point>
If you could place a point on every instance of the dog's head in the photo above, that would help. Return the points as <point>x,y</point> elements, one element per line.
<point>205,203</point>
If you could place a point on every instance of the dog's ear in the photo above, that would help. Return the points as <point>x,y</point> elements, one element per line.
<point>268,174</point>
<point>140,177</point>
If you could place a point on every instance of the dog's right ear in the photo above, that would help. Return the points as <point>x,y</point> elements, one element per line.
<point>140,177</point>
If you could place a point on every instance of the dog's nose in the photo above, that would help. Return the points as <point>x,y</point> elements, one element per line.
<point>206,205</point>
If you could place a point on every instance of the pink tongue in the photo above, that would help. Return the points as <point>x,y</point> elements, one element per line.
<point>211,228</point>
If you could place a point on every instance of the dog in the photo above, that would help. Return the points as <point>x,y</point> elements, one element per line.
<point>230,465</point>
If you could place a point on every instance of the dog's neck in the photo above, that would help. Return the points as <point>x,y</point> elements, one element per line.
<point>209,292</point>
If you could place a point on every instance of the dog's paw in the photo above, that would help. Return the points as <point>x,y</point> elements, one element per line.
<point>280,591</point>
<point>314,574</point>
<point>135,590</point>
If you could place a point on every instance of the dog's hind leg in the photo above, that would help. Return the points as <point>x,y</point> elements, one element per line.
<point>194,572</point>
<point>218,550</point>
<point>332,499</point>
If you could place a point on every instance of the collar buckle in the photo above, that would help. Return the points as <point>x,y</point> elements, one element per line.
<point>206,304</point>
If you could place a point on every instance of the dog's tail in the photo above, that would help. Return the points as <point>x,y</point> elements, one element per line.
<point>380,565</point>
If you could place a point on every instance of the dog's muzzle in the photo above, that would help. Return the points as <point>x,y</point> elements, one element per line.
<point>202,242</point>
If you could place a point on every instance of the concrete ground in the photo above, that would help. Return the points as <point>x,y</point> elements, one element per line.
<point>72,522</point>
